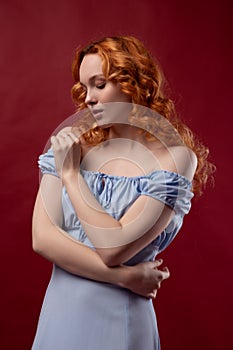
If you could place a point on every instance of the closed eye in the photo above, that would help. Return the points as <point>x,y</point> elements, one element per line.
<point>101,86</point>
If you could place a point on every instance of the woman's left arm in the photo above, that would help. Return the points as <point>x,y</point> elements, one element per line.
<point>116,241</point>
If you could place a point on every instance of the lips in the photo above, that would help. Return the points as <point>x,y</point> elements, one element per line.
<point>97,113</point>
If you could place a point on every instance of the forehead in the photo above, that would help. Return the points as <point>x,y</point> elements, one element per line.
<point>91,65</point>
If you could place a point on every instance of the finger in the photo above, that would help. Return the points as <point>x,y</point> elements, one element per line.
<point>77,132</point>
<point>66,139</point>
<point>152,295</point>
<point>158,262</point>
<point>65,130</point>
<point>54,142</point>
<point>166,270</point>
<point>73,137</point>
<point>64,136</point>
<point>165,273</point>
<point>60,139</point>
<point>70,136</point>
<point>69,140</point>
<point>154,264</point>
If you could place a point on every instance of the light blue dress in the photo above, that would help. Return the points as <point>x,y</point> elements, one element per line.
<point>81,314</point>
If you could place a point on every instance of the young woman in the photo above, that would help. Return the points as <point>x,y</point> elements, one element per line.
<point>115,189</point>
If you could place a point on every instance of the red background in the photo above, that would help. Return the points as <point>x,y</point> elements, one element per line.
<point>192,40</point>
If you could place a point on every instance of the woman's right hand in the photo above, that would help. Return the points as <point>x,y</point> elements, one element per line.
<point>67,152</point>
<point>145,278</point>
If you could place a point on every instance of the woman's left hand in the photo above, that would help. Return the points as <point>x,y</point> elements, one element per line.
<point>67,153</point>
<point>145,278</point>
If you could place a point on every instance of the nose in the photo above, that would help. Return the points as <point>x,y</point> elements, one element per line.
<point>90,99</point>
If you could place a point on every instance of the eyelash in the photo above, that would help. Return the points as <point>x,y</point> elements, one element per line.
<point>101,86</point>
<point>98,86</point>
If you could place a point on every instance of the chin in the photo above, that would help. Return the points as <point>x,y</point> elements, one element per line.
<point>105,126</point>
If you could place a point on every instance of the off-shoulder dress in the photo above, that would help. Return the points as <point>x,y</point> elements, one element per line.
<point>82,314</point>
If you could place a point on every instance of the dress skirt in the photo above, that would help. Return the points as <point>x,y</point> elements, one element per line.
<point>81,314</point>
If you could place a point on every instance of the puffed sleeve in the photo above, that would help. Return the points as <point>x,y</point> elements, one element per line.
<point>46,163</point>
<point>171,188</point>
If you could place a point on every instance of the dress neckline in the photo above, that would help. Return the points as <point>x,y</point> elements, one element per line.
<point>153,172</point>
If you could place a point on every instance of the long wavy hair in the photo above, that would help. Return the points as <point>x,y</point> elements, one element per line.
<point>126,61</point>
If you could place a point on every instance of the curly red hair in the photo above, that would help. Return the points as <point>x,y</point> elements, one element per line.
<point>126,61</point>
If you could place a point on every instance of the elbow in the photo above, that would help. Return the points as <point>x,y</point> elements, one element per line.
<point>110,257</point>
<point>111,261</point>
<point>35,247</point>
<point>37,242</point>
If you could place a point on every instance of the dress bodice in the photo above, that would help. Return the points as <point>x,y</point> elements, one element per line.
<point>117,193</point>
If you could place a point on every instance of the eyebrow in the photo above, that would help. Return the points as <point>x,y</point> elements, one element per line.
<point>93,78</point>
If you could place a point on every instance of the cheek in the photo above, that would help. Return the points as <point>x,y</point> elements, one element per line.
<point>117,95</point>
<point>125,98</point>
<point>122,97</point>
<point>109,95</point>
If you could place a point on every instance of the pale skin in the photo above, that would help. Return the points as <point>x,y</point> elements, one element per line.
<point>57,246</point>
<point>141,224</point>
<point>53,243</point>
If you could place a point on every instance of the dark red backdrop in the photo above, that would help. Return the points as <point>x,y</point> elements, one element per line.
<point>192,40</point>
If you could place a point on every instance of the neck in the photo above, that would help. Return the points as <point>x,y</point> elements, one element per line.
<point>124,131</point>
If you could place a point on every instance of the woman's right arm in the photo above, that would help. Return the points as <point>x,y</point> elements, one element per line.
<point>71,255</point>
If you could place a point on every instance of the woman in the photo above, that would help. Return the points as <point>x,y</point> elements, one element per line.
<point>123,183</point>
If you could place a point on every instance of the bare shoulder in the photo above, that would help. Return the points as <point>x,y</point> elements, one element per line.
<point>185,160</point>
<point>179,159</point>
